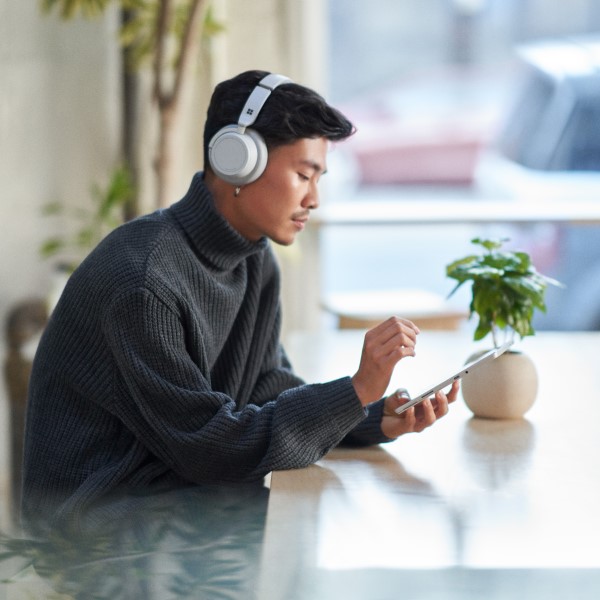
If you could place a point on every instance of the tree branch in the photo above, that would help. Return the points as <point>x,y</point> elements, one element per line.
<point>189,44</point>
<point>162,32</point>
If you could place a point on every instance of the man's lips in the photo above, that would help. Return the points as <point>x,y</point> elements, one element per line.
<point>300,220</point>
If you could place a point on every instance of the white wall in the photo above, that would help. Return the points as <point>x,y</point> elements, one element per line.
<point>59,123</point>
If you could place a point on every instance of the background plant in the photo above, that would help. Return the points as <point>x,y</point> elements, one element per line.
<point>95,221</point>
<point>506,289</point>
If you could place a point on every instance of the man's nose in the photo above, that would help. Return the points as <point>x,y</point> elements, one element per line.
<point>311,200</point>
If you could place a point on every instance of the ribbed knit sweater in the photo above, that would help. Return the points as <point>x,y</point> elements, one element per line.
<point>161,366</point>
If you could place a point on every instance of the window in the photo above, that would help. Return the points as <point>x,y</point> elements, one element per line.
<point>431,85</point>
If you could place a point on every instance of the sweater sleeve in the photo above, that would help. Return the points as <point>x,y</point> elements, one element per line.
<point>368,432</point>
<point>165,399</point>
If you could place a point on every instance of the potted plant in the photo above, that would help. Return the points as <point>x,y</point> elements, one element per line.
<point>506,291</point>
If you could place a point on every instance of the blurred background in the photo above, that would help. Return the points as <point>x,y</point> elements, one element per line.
<point>455,101</point>
<point>478,100</point>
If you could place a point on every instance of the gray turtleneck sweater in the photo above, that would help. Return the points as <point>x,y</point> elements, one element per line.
<point>161,366</point>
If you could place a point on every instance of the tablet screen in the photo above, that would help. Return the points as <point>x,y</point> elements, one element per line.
<point>464,370</point>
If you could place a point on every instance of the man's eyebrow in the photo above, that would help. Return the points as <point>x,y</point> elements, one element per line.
<point>315,166</point>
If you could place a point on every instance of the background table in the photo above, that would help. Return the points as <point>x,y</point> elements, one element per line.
<point>469,508</point>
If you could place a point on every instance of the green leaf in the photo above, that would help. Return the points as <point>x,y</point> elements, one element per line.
<point>485,297</point>
<point>458,264</point>
<point>52,208</point>
<point>454,289</point>
<point>525,286</point>
<point>489,244</point>
<point>551,281</point>
<point>502,261</point>
<point>483,328</point>
<point>212,27</point>
<point>525,261</point>
<point>68,9</point>
<point>85,237</point>
<point>51,247</point>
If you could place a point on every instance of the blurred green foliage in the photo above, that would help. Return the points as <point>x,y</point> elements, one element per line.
<point>105,212</point>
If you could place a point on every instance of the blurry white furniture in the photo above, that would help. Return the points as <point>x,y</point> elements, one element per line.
<point>444,212</point>
<point>365,309</point>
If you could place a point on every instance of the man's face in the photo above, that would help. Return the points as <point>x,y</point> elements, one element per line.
<point>278,203</point>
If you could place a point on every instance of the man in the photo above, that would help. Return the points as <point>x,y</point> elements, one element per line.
<point>161,366</point>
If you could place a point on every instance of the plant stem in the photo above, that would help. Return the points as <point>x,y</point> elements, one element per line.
<point>494,336</point>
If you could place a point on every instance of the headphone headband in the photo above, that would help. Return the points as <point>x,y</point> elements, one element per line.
<point>258,97</point>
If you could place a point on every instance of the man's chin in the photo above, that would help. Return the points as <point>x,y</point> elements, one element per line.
<point>287,241</point>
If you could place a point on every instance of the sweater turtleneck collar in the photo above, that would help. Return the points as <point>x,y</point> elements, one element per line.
<point>211,235</point>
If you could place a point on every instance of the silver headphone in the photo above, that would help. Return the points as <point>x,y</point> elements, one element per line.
<point>237,154</point>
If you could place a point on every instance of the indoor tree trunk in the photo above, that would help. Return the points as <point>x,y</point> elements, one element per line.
<point>163,163</point>
<point>129,100</point>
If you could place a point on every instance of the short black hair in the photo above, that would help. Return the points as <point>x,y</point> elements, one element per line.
<point>292,112</point>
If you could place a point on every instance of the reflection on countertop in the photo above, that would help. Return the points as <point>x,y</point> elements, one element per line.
<point>192,543</point>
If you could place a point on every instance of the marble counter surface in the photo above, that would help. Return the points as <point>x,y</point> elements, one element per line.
<point>470,508</point>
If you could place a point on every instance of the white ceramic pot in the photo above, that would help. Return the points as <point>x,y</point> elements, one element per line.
<point>504,388</point>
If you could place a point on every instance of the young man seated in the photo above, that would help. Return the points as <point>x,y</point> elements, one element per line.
<point>161,366</point>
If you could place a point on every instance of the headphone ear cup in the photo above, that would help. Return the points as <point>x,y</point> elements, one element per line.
<point>237,158</point>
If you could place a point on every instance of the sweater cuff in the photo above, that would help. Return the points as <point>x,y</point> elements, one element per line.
<point>343,406</point>
<point>368,431</point>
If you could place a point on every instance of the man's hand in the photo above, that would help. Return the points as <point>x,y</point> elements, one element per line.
<point>384,346</point>
<point>417,418</point>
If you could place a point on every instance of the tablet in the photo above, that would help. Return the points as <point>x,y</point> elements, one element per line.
<point>465,370</point>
